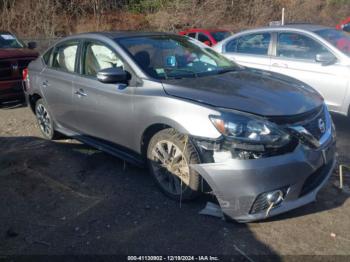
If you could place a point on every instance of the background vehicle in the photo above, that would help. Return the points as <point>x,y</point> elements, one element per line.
<point>344,25</point>
<point>209,37</point>
<point>316,55</point>
<point>262,141</point>
<point>14,57</point>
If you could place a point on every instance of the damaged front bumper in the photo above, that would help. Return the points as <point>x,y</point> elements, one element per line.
<point>241,185</point>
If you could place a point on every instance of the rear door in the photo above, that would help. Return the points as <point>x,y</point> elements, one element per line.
<point>296,57</point>
<point>56,82</point>
<point>251,50</point>
<point>102,110</point>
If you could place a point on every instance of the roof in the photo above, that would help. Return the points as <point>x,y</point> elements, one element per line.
<point>306,27</point>
<point>121,34</point>
<point>205,30</point>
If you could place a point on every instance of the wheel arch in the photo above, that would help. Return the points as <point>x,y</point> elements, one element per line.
<point>32,101</point>
<point>154,127</point>
<point>151,130</point>
<point>147,135</point>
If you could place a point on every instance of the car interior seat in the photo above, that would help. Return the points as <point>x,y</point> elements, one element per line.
<point>144,60</point>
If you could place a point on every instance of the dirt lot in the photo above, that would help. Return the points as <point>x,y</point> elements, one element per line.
<point>63,197</point>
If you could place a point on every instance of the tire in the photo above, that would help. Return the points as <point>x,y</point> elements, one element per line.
<point>169,155</point>
<point>45,120</point>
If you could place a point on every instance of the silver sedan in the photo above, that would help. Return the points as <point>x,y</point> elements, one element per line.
<point>262,142</point>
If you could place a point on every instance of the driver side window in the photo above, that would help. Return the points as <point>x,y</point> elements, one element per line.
<point>97,56</point>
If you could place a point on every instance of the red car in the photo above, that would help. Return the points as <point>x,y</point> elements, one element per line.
<point>344,25</point>
<point>209,37</point>
<point>14,57</point>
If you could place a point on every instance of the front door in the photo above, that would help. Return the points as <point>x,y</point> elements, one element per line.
<point>296,57</point>
<point>102,110</point>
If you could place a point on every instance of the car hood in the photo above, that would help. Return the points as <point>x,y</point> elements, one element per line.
<point>6,53</point>
<point>249,90</point>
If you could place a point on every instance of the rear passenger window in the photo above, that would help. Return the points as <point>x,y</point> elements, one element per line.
<point>232,46</point>
<point>46,56</point>
<point>255,44</point>
<point>64,56</point>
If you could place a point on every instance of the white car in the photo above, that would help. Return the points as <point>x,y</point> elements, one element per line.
<point>316,55</point>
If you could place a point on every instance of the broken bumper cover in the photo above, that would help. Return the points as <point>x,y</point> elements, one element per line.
<point>237,184</point>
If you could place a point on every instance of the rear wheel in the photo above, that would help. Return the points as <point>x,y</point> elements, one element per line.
<point>170,155</point>
<point>45,120</point>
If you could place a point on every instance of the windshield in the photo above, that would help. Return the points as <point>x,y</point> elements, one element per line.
<point>164,57</point>
<point>220,35</point>
<point>337,38</point>
<point>8,40</point>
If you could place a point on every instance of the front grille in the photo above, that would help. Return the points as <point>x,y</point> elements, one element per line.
<point>313,125</point>
<point>309,121</point>
<point>7,72</point>
<point>315,179</point>
<point>5,69</point>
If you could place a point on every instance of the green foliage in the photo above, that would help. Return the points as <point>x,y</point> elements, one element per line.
<point>146,6</point>
<point>338,2</point>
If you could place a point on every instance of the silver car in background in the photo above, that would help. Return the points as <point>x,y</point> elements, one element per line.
<point>262,142</point>
<point>316,55</point>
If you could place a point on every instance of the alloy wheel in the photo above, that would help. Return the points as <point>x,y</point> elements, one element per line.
<point>170,167</point>
<point>44,120</point>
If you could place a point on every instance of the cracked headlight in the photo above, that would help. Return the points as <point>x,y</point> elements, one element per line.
<point>244,129</point>
<point>245,137</point>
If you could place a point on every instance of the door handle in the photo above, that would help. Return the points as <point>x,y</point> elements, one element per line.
<point>80,92</point>
<point>45,83</point>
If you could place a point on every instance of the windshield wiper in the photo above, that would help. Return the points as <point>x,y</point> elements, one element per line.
<point>168,70</point>
<point>226,70</point>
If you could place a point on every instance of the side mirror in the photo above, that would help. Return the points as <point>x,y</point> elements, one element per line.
<point>113,75</point>
<point>325,58</point>
<point>207,42</point>
<point>31,45</point>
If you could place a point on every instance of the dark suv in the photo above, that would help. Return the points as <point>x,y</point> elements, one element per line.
<point>14,57</point>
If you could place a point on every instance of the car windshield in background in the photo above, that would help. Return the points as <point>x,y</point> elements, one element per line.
<point>220,35</point>
<point>337,38</point>
<point>9,41</point>
<point>164,57</point>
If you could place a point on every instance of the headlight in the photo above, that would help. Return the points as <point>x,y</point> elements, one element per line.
<point>249,131</point>
<point>244,137</point>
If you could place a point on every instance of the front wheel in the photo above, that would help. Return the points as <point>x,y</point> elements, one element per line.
<point>170,155</point>
<point>44,120</point>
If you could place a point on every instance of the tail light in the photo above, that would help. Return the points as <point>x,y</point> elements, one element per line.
<point>25,74</point>
<point>25,78</point>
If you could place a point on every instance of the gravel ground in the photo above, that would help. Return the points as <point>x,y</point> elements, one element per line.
<point>64,197</point>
